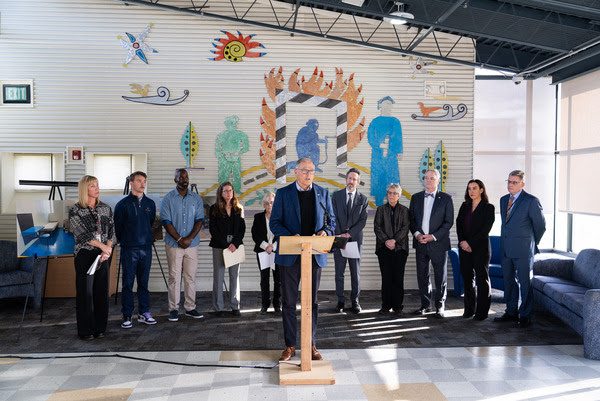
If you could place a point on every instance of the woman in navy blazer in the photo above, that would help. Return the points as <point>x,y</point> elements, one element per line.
<point>473,224</point>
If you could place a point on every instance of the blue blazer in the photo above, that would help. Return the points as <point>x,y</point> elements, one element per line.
<point>440,221</point>
<point>523,230</point>
<point>285,218</point>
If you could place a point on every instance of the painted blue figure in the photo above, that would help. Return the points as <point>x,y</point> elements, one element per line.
<point>385,137</point>
<point>307,142</point>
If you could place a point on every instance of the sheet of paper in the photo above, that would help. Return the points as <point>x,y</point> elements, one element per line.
<point>94,266</point>
<point>233,258</point>
<point>266,260</point>
<point>351,251</point>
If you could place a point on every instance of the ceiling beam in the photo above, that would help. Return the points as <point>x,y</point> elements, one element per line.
<point>576,10</point>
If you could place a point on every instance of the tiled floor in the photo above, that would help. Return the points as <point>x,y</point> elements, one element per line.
<point>556,372</point>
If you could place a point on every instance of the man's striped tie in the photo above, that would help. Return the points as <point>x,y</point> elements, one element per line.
<point>512,199</point>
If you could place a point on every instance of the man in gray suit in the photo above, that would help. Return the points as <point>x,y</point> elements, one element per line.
<point>350,209</point>
<point>523,225</point>
<point>431,217</point>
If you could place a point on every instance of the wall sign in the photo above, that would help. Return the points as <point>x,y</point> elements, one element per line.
<point>17,93</point>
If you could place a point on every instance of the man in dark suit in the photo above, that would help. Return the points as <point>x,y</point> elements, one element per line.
<point>431,217</point>
<point>523,225</point>
<point>301,208</point>
<point>350,209</point>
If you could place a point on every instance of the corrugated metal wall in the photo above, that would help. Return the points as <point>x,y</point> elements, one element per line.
<point>71,51</point>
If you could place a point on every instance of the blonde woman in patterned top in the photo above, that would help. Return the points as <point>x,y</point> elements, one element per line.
<point>94,230</point>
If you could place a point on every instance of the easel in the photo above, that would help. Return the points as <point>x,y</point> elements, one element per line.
<point>309,372</point>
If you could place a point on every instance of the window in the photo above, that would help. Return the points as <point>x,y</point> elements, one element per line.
<point>113,169</point>
<point>514,128</point>
<point>32,166</point>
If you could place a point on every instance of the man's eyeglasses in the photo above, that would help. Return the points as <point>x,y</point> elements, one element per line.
<point>513,182</point>
<point>307,171</point>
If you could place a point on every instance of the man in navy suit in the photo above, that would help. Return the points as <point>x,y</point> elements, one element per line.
<point>301,208</point>
<point>350,209</point>
<point>523,225</point>
<point>431,217</point>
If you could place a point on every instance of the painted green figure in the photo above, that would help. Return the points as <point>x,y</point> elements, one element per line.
<point>230,145</point>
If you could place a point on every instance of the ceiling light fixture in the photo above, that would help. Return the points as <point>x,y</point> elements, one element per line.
<point>399,16</point>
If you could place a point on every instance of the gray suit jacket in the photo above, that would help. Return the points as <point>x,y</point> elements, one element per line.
<point>523,230</point>
<point>440,221</point>
<point>358,215</point>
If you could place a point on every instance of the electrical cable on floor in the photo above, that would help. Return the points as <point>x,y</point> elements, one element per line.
<point>147,360</point>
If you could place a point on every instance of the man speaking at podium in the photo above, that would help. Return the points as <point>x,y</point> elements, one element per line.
<point>301,208</point>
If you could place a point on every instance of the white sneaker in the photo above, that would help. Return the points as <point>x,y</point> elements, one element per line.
<point>147,318</point>
<point>126,323</point>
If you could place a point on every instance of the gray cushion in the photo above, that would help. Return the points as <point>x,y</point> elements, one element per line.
<point>586,270</point>
<point>556,291</point>
<point>14,278</point>
<point>8,256</point>
<point>540,281</point>
<point>574,302</point>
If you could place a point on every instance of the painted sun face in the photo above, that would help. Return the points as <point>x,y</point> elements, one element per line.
<point>235,48</point>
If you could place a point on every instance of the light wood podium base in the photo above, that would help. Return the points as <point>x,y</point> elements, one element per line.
<point>321,373</point>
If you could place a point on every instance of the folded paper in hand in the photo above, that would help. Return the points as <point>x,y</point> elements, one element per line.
<point>351,251</point>
<point>233,258</point>
<point>266,260</point>
<point>94,266</point>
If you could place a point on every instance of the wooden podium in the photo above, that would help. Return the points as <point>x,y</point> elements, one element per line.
<point>309,372</point>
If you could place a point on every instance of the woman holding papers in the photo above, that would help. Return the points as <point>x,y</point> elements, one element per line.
<point>265,255</point>
<point>391,231</point>
<point>227,229</point>
<point>94,230</point>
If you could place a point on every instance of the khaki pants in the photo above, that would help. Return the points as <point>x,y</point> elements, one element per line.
<point>182,261</point>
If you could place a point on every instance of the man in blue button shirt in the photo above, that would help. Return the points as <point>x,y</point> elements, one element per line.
<point>134,216</point>
<point>181,214</point>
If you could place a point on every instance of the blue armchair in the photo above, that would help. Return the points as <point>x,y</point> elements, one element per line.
<point>15,274</point>
<point>496,276</point>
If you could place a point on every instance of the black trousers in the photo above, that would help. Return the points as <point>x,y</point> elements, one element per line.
<point>391,265</point>
<point>475,271</point>
<point>290,278</point>
<point>265,287</point>
<point>91,300</point>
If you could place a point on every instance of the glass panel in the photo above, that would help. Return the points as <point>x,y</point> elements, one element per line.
<point>112,170</point>
<point>499,116</point>
<point>543,110</point>
<point>540,182</point>
<point>33,167</point>
<point>493,171</point>
<point>585,232</point>
<point>561,232</point>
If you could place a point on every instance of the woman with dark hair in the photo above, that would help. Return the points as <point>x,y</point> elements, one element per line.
<point>473,224</point>
<point>391,227</point>
<point>227,229</point>
<point>92,224</point>
<point>265,242</point>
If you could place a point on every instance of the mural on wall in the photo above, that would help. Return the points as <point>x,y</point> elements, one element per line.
<point>230,146</point>
<point>385,137</point>
<point>438,90</point>
<point>461,111</point>
<point>438,161</point>
<point>136,46</point>
<point>235,48</point>
<point>307,145</point>
<point>189,145</point>
<point>418,66</point>
<point>340,96</point>
<point>161,99</point>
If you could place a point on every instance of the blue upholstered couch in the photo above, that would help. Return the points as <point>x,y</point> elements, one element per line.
<point>496,276</point>
<point>15,274</point>
<point>570,289</point>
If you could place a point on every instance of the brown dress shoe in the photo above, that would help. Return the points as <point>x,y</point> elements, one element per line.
<point>288,353</point>
<point>315,354</point>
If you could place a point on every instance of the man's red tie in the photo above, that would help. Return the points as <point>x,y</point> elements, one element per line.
<point>512,199</point>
